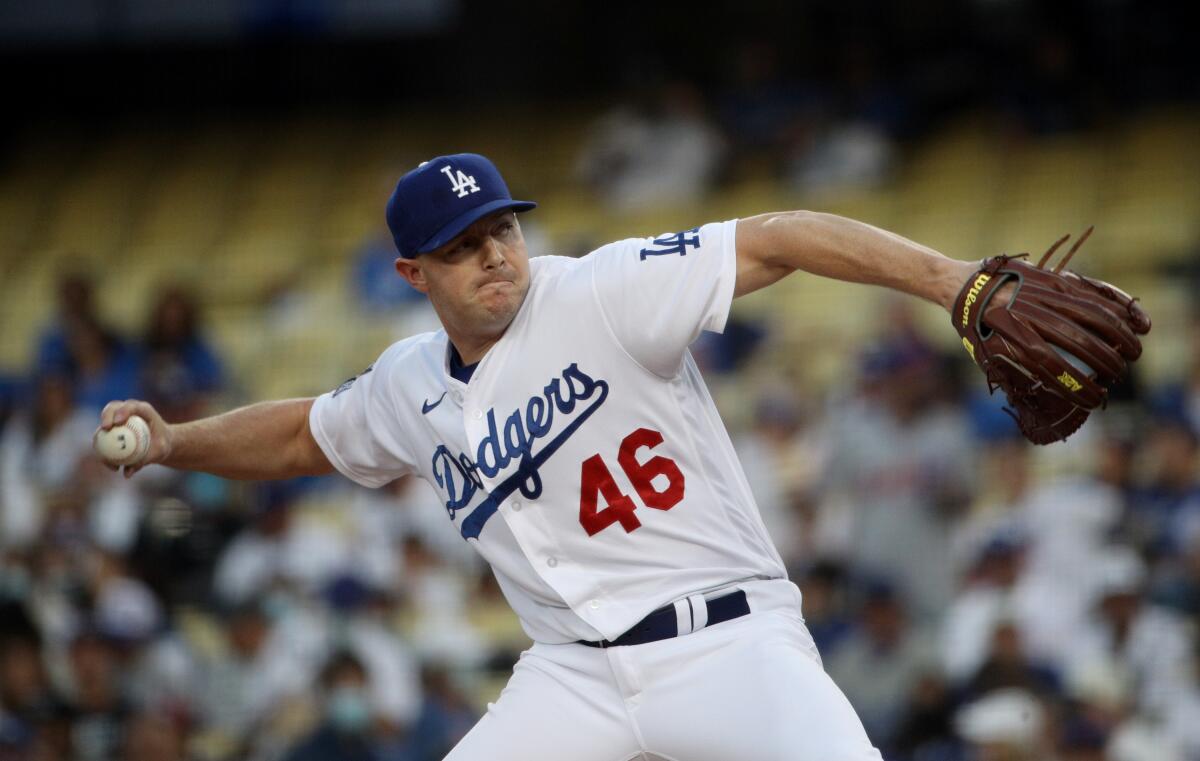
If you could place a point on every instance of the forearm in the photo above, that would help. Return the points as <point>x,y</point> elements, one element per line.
<point>263,441</point>
<point>845,249</point>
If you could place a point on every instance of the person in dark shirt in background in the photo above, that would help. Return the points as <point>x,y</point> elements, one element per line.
<point>179,370</point>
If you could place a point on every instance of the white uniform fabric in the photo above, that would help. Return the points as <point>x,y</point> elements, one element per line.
<point>586,462</point>
<point>597,352</point>
<point>750,688</point>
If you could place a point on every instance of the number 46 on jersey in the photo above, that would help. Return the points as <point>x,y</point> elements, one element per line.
<point>596,482</point>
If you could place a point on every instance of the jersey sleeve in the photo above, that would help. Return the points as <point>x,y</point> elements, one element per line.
<point>657,294</point>
<point>357,427</point>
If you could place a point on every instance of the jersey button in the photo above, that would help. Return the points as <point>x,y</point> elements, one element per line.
<point>594,604</point>
<point>516,506</point>
<point>477,414</point>
<point>552,561</point>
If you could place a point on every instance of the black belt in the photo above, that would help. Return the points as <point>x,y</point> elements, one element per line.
<point>662,624</point>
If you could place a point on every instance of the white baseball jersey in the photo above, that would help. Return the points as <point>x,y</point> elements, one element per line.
<point>585,459</point>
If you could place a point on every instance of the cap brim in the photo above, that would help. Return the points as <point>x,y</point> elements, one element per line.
<point>454,227</point>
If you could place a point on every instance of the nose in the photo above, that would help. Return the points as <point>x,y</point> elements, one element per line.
<point>493,256</point>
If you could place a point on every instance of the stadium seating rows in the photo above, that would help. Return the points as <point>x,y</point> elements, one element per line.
<point>237,209</point>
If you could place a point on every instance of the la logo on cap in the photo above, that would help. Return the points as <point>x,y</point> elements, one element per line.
<point>460,182</point>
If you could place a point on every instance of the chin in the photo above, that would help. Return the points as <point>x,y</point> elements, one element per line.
<point>502,307</point>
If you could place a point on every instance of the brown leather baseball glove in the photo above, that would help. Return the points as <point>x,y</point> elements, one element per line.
<point>1055,345</point>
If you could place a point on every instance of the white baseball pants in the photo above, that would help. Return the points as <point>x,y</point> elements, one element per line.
<point>750,688</point>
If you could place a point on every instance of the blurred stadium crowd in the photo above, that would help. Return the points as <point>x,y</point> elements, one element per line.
<point>965,590</point>
<point>974,597</point>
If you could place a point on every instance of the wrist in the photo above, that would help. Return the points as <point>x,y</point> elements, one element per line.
<point>168,439</point>
<point>952,281</point>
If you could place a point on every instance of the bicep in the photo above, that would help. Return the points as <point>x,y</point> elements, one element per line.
<point>756,245</point>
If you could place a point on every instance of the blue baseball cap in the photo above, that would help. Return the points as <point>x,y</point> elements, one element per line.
<point>435,202</point>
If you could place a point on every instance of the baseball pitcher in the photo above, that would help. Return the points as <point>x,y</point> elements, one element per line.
<point>567,430</point>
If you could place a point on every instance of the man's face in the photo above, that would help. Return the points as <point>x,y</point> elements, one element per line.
<point>477,281</point>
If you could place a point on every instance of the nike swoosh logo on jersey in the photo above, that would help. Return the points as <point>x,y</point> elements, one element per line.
<point>426,407</point>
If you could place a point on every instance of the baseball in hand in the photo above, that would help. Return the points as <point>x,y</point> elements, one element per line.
<point>124,444</point>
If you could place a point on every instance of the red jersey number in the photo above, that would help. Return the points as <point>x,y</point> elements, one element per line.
<point>596,482</point>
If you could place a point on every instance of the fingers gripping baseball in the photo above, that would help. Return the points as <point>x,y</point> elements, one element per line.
<point>119,439</point>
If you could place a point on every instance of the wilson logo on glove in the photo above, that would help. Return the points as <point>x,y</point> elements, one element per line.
<point>972,295</point>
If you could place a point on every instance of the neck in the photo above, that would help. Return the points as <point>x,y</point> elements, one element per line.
<point>471,350</point>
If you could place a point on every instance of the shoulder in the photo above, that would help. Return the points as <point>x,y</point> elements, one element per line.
<point>415,347</point>
<point>544,270</point>
<point>549,267</point>
<point>556,278</point>
<point>412,357</point>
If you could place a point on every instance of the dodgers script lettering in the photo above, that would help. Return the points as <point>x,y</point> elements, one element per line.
<point>513,441</point>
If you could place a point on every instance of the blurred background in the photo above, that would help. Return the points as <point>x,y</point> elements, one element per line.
<point>191,212</point>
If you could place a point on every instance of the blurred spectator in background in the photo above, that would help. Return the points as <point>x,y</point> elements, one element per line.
<point>77,345</point>
<point>103,367</point>
<point>881,662</point>
<point>1169,498</point>
<point>1177,582</point>
<point>255,559</point>
<point>151,737</point>
<point>253,675</point>
<point>438,596</point>
<point>1182,717</point>
<point>26,700</point>
<point>179,370</point>
<point>75,305</point>
<point>783,457</point>
<point>123,607</point>
<point>446,717</point>
<point>998,509</point>
<point>409,507</point>
<point>1028,549</point>
<point>925,731</point>
<point>723,354</point>
<point>304,538</point>
<point>96,707</point>
<point>1068,522</point>
<point>988,599</point>
<point>899,463</point>
<point>826,614</point>
<point>1006,664</point>
<point>1150,645</point>
<point>850,147</point>
<point>360,622</point>
<point>1005,725</point>
<point>1103,698</point>
<point>349,729</point>
<point>1179,398</point>
<point>9,392</point>
<point>41,450</point>
<point>660,150</point>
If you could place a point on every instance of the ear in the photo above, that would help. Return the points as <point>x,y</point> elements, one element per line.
<point>410,270</point>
